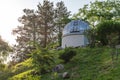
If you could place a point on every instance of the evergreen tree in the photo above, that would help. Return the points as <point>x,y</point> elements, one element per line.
<point>26,33</point>
<point>36,27</point>
<point>46,21</point>
<point>62,18</point>
<point>40,26</point>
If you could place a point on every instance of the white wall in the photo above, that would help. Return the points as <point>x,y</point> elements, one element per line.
<point>73,41</point>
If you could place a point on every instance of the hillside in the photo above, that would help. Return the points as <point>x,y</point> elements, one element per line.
<point>88,64</point>
<point>92,64</point>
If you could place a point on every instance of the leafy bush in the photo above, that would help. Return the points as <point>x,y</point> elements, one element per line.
<point>67,54</point>
<point>108,32</point>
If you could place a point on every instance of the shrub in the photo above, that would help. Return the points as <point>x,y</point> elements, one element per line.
<point>108,32</point>
<point>67,54</point>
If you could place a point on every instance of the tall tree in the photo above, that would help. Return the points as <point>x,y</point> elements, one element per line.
<point>39,27</point>
<point>99,10</point>
<point>45,14</point>
<point>36,27</point>
<point>25,33</point>
<point>62,18</point>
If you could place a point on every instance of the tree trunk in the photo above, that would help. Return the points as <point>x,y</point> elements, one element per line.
<point>60,36</point>
<point>34,35</point>
<point>45,36</point>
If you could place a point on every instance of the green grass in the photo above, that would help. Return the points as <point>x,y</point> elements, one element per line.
<point>92,64</point>
<point>88,64</point>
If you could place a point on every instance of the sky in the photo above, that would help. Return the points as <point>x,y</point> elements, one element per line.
<point>11,10</point>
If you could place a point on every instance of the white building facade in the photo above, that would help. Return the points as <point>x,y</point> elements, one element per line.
<point>73,34</point>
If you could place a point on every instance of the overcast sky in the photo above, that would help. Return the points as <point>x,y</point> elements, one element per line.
<point>10,10</point>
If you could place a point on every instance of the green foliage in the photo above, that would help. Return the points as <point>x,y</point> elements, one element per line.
<point>93,64</point>
<point>108,30</point>
<point>96,12</point>
<point>68,54</point>
<point>87,64</point>
<point>5,49</point>
<point>39,62</point>
<point>23,66</point>
<point>99,10</point>
<point>6,73</point>
<point>42,26</point>
<point>53,45</point>
<point>2,66</point>
<point>91,35</point>
<point>42,59</point>
<point>62,18</point>
<point>25,76</point>
<point>26,33</point>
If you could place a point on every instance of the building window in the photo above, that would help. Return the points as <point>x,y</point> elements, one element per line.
<point>75,23</point>
<point>75,27</point>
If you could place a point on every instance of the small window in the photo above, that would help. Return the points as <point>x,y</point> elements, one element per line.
<point>75,23</point>
<point>75,27</point>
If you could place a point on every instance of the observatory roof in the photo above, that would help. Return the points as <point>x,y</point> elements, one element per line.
<point>75,27</point>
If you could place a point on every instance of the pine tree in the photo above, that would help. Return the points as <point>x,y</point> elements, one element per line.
<point>62,18</point>
<point>36,28</point>
<point>26,33</point>
<point>46,21</point>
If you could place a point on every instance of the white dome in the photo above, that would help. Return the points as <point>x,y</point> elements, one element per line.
<point>75,27</point>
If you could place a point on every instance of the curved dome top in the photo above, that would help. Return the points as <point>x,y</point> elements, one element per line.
<point>75,27</point>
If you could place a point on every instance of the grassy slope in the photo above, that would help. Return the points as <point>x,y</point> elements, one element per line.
<point>88,64</point>
<point>92,64</point>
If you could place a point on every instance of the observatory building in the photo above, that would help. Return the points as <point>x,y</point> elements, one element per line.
<point>73,34</point>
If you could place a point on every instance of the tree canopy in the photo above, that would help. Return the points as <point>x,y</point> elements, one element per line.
<point>98,11</point>
<point>107,31</point>
<point>40,26</point>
